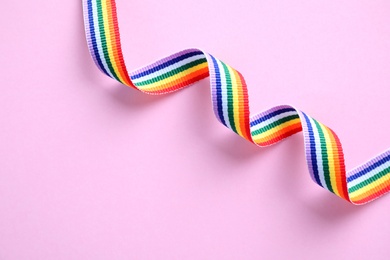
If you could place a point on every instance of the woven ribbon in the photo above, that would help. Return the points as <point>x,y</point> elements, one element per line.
<point>324,154</point>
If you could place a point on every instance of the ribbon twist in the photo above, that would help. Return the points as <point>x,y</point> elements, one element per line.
<point>324,154</point>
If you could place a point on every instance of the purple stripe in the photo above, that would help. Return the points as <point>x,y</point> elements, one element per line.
<point>88,32</point>
<point>308,148</point>
<point>267,112</point>
<point>213,85</point>
<point>364,167</point>
<point>87,8</point>
<point>164,60</point>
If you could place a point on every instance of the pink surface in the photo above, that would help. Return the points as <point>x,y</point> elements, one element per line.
<point>90,169</point>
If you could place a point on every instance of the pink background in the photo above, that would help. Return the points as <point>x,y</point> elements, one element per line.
<point>90,169</point>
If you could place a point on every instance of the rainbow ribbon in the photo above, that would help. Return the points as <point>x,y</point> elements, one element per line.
<point>324,154</point>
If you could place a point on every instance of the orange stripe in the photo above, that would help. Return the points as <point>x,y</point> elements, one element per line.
<point>372,193</point>
<point>339,175</point>
<point>116,44</point>
<point>244,108</point>
<point>241,103</point>
<point>112,36</point>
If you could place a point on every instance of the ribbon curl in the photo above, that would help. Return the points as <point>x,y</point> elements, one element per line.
<point>324,154</point>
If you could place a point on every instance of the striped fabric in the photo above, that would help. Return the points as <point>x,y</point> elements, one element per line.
<point>324,153</point>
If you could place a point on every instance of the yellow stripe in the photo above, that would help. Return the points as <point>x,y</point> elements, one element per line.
<point>330,153</point>
<point>236,112</point>
<point>264,135</point>
<point>173,77</point>
<point>369,187</point>
<point>108,40</point>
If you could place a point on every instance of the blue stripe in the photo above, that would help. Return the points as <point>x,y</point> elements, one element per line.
<point>368,169</point>
<point>271,115</point>
<point>219,90</point>
<point>93,38</point>
<point>313,154</point>
<point>166,64</point>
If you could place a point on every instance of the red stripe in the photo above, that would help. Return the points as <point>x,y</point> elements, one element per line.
<point>118,46</point>
<point>246,127</point>
<point>341,164</point>
<point>373,195</point>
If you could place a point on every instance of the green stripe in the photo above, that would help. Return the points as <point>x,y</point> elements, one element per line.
<point>324,152</point>
<point>172,72</point>
<point>103,39</point>
<point>370,180</point>
<point>274,124</point>
<point>229,97</point>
